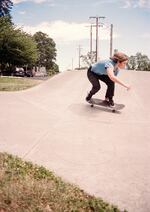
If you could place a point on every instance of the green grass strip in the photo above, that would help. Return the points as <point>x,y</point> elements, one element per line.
<point>28,187</point>
<point>16,83</point>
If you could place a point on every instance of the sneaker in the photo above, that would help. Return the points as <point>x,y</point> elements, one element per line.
<point>106,101</point>
<point>88,97</point>
<point>111,103</point>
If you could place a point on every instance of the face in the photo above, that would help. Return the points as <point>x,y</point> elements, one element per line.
<point>122,65</point>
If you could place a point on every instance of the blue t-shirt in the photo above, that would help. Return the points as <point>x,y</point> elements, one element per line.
<point>101,67</point>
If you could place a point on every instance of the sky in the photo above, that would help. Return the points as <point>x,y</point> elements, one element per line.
<point>68,22</point>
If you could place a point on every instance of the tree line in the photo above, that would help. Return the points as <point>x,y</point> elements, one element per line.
<point>18,48</point>
<point>139,62</point>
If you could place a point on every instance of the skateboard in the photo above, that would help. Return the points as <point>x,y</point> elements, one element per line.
<point>101,103</point>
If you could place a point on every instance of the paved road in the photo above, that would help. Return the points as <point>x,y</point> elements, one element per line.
<point>104,153</point>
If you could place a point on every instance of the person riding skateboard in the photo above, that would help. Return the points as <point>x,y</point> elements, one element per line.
<point>107,71</point>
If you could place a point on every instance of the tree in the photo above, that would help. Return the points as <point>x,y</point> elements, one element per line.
<point>132,64</point>
<point>5,7</point>
<point>23,49</point>
<point>139,62</point>
<point>16,47</point>
<point>46,50</point>
<point>142,62</point>
<point>89,58</point>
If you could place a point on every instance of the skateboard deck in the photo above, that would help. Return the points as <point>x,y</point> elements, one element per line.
<point>101,103</point>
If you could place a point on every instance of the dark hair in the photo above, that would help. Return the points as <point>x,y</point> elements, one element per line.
<point>119,56</point>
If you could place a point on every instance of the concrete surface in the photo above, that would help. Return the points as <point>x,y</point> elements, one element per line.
<point>106,154</point>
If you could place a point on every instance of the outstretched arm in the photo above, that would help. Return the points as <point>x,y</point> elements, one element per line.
<point>111,75</point>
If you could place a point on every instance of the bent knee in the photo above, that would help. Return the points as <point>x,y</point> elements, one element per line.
<point>96,88</point>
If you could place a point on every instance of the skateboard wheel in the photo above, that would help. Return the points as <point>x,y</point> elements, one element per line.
<point>92,105</point>
<point>113,110</point>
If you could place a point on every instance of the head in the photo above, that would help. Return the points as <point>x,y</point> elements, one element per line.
<point>120,59</point>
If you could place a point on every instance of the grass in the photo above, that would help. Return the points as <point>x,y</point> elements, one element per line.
<point>28,187</point>
<point>16,83</point>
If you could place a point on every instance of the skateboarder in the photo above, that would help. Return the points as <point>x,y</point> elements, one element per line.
<point>107,71</point>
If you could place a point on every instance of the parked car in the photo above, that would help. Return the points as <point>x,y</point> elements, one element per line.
<point>19,72</point>
<point>5,72</point>
<point>29,73</point>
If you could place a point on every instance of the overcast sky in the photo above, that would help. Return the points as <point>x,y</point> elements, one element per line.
<point>67,21</point>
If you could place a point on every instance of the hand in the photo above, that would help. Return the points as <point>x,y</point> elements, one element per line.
<point>128,87</point>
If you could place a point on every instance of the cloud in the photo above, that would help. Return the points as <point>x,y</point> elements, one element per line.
<point>136,3</point>
<point>22,12</point>
<point>124,3</point>
<point>144,3</point>
<point>34,1</point>
<point>67,32</point>
<point>127,4</point>
<point>97,3</point>
<point>146,35</point>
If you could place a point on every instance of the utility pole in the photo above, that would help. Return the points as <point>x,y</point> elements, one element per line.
<point>91,39</point>
<point>97,25</point>
<point>111,39</point>
<point>91,36</point>
<point>79,48</point>
<point>72,64</point>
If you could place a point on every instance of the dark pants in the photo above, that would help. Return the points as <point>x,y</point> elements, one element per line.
<point>95,81</point>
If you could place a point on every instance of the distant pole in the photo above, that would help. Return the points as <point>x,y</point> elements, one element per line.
<point>91,39</point>
<point>111,39</point>
<point>97,25</point>
<point>79,48</point>
<point>97,38</point>
<point>72,64</point>
<point>91,36</point>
